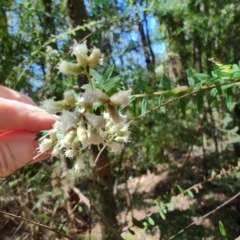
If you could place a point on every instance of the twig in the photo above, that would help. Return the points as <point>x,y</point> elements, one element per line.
<point>35,223</point>
<point>206,215</point>
<point>178,90</point>
<point>98,156</point>
<point>105,221</point>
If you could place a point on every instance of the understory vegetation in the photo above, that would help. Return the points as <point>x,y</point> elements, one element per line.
<point>148,145</point>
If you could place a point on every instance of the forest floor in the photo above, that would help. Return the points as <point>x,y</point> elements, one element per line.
<point>139,194</point>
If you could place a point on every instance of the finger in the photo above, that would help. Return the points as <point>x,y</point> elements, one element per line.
<point>17,149</point>
<point>14,95</point>
<point>16,115</point>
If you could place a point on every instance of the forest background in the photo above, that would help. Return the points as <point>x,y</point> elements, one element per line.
<point>178,177</point>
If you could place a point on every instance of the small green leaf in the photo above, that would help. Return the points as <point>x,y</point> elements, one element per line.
<point>145,224</point>
<point>190,193</point>
<point>160,101</point>
<point>230,103</point>
<point>96,76</point>
<point>165,83</point>
<point>235,68</point>
<point>144,105</point>
<point>225,87</point>
<point>151,221</point>
<point>222,230</point>
<point>200,101</point>
<point>142,86</point>
<point>214,80</point>
<point>201,76</point>
<point>197,87</point>
<point>110,83</point>
<point>180,189</point>
<point>182,103</point>
<point>212,96</point>
<point>190,78</point>
<point>108,73</point>
<point>133,108</point>
<point>162,215</point>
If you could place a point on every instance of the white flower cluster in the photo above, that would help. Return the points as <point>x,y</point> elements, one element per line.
<point>79,126</point>
<point>83,59</point>
<point>71,134</point>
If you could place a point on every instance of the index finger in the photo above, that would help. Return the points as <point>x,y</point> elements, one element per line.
<point>14,95</point>
<point>15,115</point>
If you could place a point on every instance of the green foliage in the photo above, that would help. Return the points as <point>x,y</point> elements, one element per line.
<point>222,230</point>
<point>185,124</point>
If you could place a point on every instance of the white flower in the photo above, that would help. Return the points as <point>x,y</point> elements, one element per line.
<point>45,144</point>
<point>51,51</point>
<point>69,98</point>
<point>80,51</point>
<point>109,124</point>
<point>91,96</point>
<point>106,116</point>
<point>124,130</point>
<point>94,138</point>
<point>82,135</point>
<point>101,96</point>
<point>56,151</point>
<point>122,139</point>
<point>68,139</point>
<point>115,147</point>
<point>53,135</point>
<point>70,153</point>
<point>116,128</point>
<point>96,121</point>
<point>70,68</point>
<point>120,98</point>
<point>88,98</point>
<point>79,165</point>
<point>52,106</point>
<point>69,120</point>
<point>57,126</point>
<point>94,58</point>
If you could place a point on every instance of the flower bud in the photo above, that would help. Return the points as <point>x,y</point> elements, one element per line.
<point>115,147</point>
<point>70,68</point>
<point>70,153</point>
<point>80,51</point>
<point>69,98</point>
<point>68,139</point>
<point>45,144</point>
<point>82,135</point>
<point>120,98</point>
<point>94,58</point>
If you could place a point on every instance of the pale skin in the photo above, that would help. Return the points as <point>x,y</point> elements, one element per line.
<point>20,121</point>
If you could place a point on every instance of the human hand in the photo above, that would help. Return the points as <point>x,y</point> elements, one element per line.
<point>20,121</point>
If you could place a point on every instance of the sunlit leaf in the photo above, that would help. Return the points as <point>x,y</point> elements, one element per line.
<point>144,105</point>
<point>162,215</point>
<point>190,193</point>
<point>151,221</point>
<point>222,230</point>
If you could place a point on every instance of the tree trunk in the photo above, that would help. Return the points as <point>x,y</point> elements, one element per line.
<point>103,180</point>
